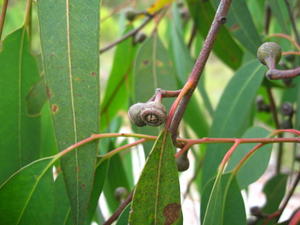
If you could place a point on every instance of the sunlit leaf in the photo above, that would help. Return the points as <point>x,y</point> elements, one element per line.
<point>158,5</point>
<point>156,198</point>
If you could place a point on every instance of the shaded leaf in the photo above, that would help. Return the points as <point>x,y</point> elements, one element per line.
<point>153,69</point>
<point>274,190</point>
<point>119,82</point>
<point>203,14</point>
<point>19,72</point>
<point>36,98</point>
<point>27,197</point>
<point>256,165</point>
<point>222,202</point>
<point>242,26</point>
<point>123,219</point>
<point>231,117</point>
<point>156,198</point>
<point>69,32</point>
<point>279,10</point>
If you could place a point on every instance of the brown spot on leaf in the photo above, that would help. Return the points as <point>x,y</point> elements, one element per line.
<point>171,213</point>
<point>54,108</point>
<point>93,74</point>
<point>159,63</point>
<point>49,94</point>
<point>146,62</point>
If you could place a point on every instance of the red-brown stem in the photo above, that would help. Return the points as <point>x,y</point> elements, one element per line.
<point>179,106</point>
<point>291,53</point>
<point>121,148</point>
<point>159,93</point>
<point>119,210</point>
<point>275,74</point>
<point>2,16</point>
<point>289,38</point>
<point>190,142</point>
<point>246,157</point>
<point>228,155</point>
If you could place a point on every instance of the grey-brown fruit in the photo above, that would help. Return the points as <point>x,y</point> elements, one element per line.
<point>153,114</point>
<point>121,193</point>
<point>269,50</point>
<point>134,114</point>
<point>182,162</point>
<point>130,14</point>
<point>140,37</point>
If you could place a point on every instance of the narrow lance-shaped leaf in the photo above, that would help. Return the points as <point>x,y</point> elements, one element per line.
<point>203,14</point>
<point>232,114</point>
<point>69,32</point>
<point>156,198</point>
<point>21,143</point>
<point>153,69</point>
<point>119,82</point>
<point>222,202</point>
<point>256,165</point>
<point>28,196</point>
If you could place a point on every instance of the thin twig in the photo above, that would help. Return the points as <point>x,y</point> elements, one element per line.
<point>287,37</point>
<point>128,35</point>
<point>275,74</point>
<point>268,15</point>
<point>180,104</point>
<point>277,126</point>
<point>2,16</point>
<point>119,210</point>
<point>293,22</point>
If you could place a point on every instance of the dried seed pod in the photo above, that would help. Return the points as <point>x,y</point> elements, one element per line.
<point>287,109</point>
<point>140,37</point>
<point>153,113</point>
<point>182,162</point>
<point>269,50</point>
<point>130,14</point>
<point>134,114</point>
<point>120,193</point>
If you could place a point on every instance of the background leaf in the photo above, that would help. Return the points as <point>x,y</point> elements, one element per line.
<point>69,32</point>
<point>19,72</point>
<point>232,114</point>
<point>222,202</point>
<point>203,14</point>
<point>156,198</point>
<point>256,165</point>
<point>153,69</point>
<point>28,196</point>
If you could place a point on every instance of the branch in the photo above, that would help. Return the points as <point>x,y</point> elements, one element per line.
<point>180,104</point>
<point>129,34</point>
<point>119,210</point>
<point>275,74</point>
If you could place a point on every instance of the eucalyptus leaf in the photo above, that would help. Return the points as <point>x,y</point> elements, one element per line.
<point>156,199</point>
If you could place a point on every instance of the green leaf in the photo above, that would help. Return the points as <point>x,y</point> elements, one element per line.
<point>240,21</point>
<point>257,164</point>
<point>19,72</point>
<point>203,14</point>
<point>274,190</point>
<point>156,198</point>
<point>153,69</point>
<point>36,98</point>
<point>232,114</point>
<point>119,82</point>
<point>183,62</point>
<point>280,11</point>
<point>27,197</point>
<point>69,32</point>
<point>123,219</point>
<point>222,202</point>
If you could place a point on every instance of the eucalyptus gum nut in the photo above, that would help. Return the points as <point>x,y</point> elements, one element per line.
<point>182,162</point>
<point>130,14</point>
<point>120,193</point>
<point>134,114</point>
<point>140,37</point>
<point>287,109</point>
<point>269,50</point>
<point>153,114</point>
